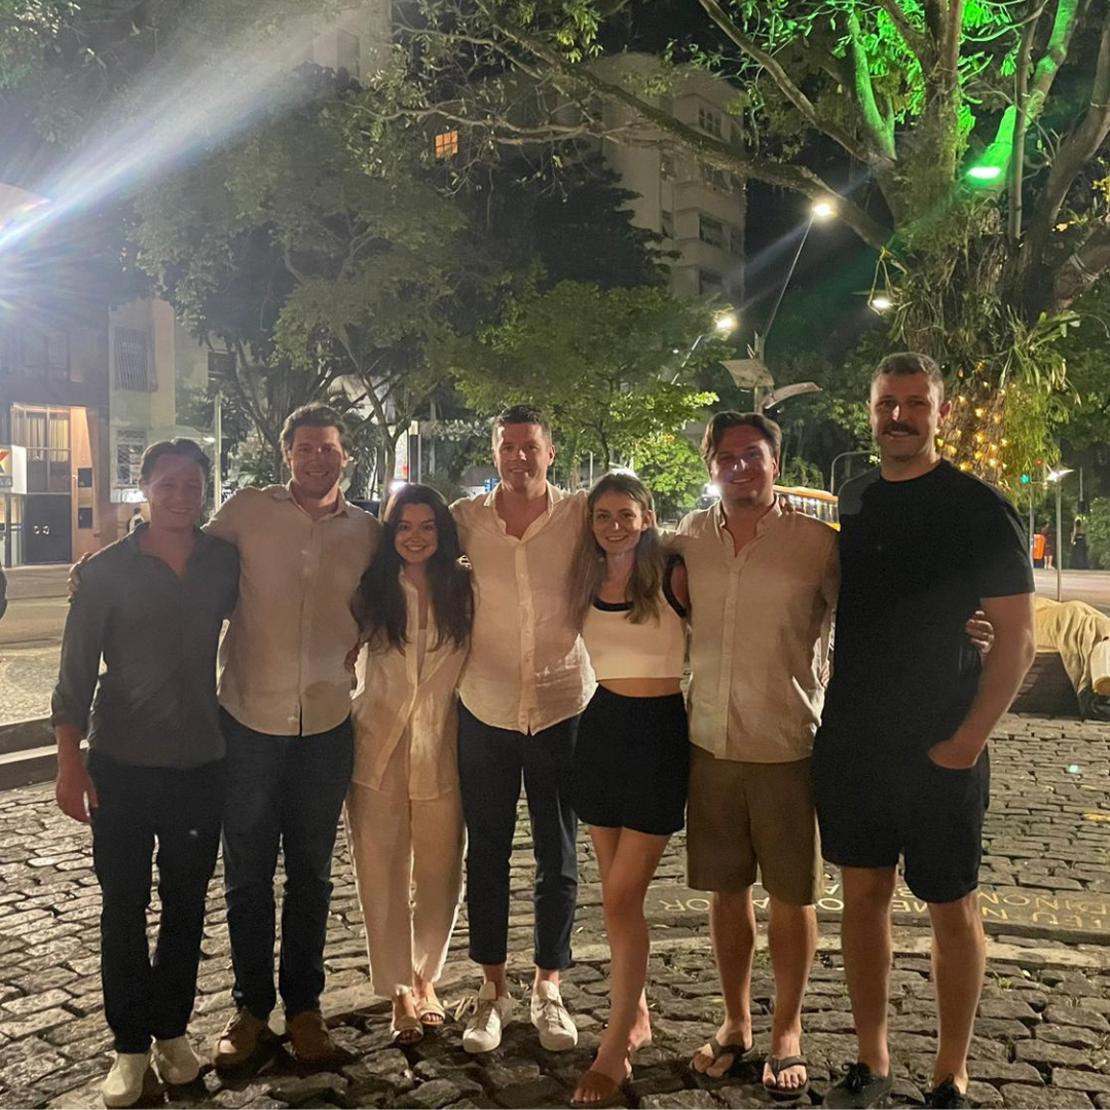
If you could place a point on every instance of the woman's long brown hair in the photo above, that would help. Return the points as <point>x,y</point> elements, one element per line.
<point>587,571</point>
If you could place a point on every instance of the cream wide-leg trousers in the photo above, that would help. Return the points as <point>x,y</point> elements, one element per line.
<point>408,859</point>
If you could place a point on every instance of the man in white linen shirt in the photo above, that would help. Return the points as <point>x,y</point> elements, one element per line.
<point>526,680</point>
<point>285,698</point>
<point>763,586</point>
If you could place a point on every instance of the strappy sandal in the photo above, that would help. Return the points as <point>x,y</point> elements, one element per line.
<point>739,1052</point>
<point>779,1064</point>
<point>406,1030</point>
<point>430,1012</point>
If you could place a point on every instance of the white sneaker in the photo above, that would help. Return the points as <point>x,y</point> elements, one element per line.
<point>128,1080</point>
<point>557,1032</point>
<point>176,1061</point>
<point>491,1015</point>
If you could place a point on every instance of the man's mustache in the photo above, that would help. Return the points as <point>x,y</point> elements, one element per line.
<point>894,426</point>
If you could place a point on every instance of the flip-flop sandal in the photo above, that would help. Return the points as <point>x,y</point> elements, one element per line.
<point>406,1030</point>
<point>779,1064</point>
<point>608,1091</point>
<point>431,1013</point>
<point>737,1051</point>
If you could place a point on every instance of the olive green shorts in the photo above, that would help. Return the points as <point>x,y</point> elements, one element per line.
<point>744,819</point>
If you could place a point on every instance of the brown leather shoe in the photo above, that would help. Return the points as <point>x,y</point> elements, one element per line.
<point>311,1042</point>
<point>239,1041</point>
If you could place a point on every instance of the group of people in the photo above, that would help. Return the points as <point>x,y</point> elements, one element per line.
<point>537,636</point>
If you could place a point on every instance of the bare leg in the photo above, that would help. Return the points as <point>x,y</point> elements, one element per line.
<point>792,936</point>
<point>495,973</point>
<point>732,928</point>
<point>867,946</point>
<point>631,863</point>
<point>959,964</point>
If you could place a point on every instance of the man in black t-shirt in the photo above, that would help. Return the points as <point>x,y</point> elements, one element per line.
<point>900,766</point>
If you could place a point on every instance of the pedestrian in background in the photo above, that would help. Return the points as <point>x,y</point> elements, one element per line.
<point>152,605</point>
<point>632,756</point>
<point>404,810</point>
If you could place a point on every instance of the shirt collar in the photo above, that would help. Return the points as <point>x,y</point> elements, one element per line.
<point>765,521</point>
<point>131,540</point>
<point>553,494</point>
<point>285,493</point>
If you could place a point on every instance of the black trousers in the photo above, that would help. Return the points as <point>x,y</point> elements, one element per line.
<point>181,812</point>
<point>283,792</point>
<point>492,762</point>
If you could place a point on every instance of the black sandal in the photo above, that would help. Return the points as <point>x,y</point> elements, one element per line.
<point>739,1052</point>
<point>779,1064</point>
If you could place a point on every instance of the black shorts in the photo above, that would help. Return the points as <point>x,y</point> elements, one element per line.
<point>875,804</point>
<point>632,763</point>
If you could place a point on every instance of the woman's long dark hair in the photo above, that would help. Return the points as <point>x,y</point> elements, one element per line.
<point>379,603</point>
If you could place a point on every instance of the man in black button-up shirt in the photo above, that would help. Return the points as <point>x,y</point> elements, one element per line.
<point>152,606</point>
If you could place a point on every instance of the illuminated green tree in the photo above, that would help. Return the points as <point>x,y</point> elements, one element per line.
<point>980,127</point>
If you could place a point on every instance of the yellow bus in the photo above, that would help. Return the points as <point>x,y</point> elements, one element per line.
<point>817,503</point>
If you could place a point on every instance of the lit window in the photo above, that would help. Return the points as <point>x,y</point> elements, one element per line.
<point>129,457</point>
<point>447,144</point>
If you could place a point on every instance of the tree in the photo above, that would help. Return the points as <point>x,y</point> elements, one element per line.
<point>317,273</point>
<point>613,367</point>
<point>980,125</point>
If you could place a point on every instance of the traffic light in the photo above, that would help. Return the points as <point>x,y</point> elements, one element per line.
<point>1025,479</point>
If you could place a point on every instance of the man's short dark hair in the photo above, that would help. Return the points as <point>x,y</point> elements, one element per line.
<point>521,414</point>
<point>314,415</point>
<point>183,448</point>
<point>721,423</point>
<point>904,363</point>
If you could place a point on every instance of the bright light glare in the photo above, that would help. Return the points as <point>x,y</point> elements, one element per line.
<point>881,303</point>
<point>397,485</point>
<point>187,109</point>
<point>726,323</point>
<point>823,210</point>
<point>712,490</point>
<point>1056,475</point>
<point>984,173</point>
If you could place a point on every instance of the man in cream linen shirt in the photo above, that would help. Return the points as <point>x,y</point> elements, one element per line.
<point>763,587</point>
<point>285,697</point>
<point>526,680</point>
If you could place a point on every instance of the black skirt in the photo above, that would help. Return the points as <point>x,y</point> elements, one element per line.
<point>631,763</point>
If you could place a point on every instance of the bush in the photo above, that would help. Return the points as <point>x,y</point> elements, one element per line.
<point>1098,533</point>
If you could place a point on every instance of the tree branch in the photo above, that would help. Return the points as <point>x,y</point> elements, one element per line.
<point>865,93</point>
<point>873,155</point>
<point>1083,267</point>
<point>1075,151</point>
<point>915,39</point>
<point>711,150</point>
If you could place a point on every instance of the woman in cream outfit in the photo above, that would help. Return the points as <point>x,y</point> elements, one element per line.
<point>404,812</point>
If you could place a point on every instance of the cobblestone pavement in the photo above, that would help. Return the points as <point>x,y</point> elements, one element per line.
<point>27,677</point>
<point>1043,1038</point>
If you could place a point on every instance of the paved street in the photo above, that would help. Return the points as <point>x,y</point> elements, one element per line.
<point>1042,1038</point>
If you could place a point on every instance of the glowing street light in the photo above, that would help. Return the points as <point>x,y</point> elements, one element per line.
<point>1056,477</point>
<point>822,211</point>
<point>880,303</point>
<point>984,173</point>
<point>726,323</point>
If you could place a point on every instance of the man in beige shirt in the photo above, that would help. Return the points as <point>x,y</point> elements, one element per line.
<point>526,680</point>
<point>285,698</point>
<point>763,586</point>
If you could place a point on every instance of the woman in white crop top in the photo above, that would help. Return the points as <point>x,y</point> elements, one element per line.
<point>631,758</point>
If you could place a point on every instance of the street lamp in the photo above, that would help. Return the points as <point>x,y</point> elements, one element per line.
<point>880,303</point>
<point>724,324</point>
<point>832,468</point>
<point>1056,476</point>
